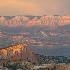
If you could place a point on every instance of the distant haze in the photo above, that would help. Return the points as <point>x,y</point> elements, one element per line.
<point>34,7</point>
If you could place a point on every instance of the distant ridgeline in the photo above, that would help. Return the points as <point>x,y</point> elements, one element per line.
<point>22,52</point>
<point>27,21</point>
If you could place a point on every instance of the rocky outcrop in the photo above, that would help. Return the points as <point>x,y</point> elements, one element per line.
<point>18,52</point>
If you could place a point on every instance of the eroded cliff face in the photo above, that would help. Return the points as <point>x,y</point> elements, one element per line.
<point>18,52</point>
<point>24,21</point>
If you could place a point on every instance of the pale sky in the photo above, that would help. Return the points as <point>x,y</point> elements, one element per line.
<point>34,7</point>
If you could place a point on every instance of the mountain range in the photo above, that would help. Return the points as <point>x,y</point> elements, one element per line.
<point>28,21</point>
<point>47,35</point>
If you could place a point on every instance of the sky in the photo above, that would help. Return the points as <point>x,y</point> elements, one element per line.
<point>34,7</point>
